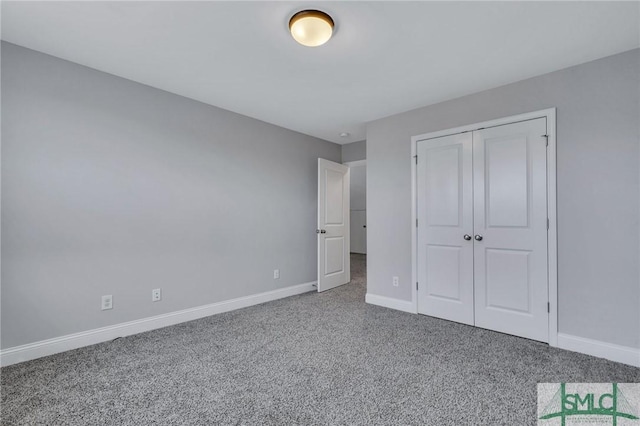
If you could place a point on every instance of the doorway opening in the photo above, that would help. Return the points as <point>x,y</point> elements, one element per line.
<point>358,206</point>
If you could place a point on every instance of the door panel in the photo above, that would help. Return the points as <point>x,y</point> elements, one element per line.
<point>444,185</point>
<point>334,255</point>
<point>333,225</point>
<point>443,272</point>
<point>508,271</point>
<point>334,211</point>
<point>445,215</point>
<point>510,214</point>
<point>506,176</point>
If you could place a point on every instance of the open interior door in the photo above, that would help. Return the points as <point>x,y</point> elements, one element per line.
<point>333,225</point>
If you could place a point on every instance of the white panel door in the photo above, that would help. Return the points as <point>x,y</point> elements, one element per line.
<point>510,229</point>
<point>333,225</point>
<point>358,226</point>
<point>445,225</point>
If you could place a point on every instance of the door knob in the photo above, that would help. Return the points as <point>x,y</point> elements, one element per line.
<point>321,231</point>
<point>467,237</point>
<point>478,237</point>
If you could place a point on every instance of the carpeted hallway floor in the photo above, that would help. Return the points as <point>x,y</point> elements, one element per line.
<point>326,359</point>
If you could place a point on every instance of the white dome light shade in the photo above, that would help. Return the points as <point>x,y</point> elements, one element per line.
<point>311,27</point>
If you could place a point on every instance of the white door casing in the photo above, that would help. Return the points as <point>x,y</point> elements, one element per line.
<point>510,222</point>
<point>333,225</point>
<point>445,216</point>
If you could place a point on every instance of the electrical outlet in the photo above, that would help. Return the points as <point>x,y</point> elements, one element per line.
<point>156,295</point>
<point>396,281</point>
<point>107,302</point>
<point>276,274</point>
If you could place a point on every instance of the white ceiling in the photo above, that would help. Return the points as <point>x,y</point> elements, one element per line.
<point>385,57</point>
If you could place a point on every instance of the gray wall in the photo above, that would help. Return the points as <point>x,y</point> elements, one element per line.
<point>598,189</point>
<point>354,151</point>
<point>113,187</point>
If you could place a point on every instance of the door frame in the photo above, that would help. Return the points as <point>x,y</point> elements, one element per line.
<point>351,164</point>
<point>355,163</point>
<point>552,234</point>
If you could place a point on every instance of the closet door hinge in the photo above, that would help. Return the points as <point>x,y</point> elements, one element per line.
<point>546,139</point>
<point>416,157</point>
<point>416,223</point>
<point>416,285</point>
<point>548,307</point>
<point>547,224</point>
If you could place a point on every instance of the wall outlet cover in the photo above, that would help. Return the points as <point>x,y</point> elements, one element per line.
<point>107,302</point>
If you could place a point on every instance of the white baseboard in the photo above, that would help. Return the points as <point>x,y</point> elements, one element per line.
<point>388,302</point>
<point>610,351</point>
<point>42,348</point>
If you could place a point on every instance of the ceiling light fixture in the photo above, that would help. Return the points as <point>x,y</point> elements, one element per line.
<point>311,27</point>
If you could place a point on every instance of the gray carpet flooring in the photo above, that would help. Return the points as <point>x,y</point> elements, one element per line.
<point>325,359</point>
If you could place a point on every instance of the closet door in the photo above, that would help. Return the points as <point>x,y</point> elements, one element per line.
<point>445,225</point>
<point>510,229</point>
